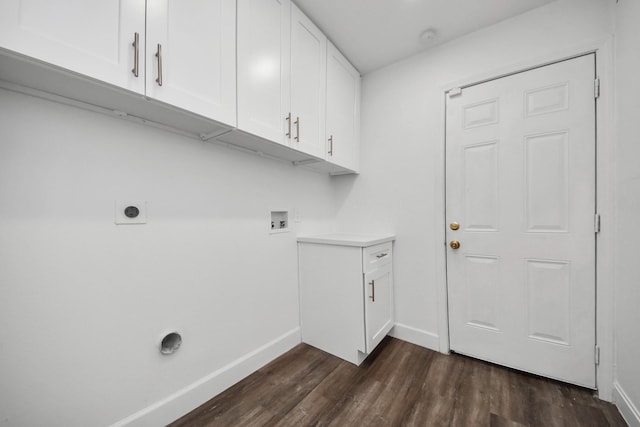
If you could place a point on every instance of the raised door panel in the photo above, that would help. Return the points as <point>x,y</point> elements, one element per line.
<point>195,69</point>
<point>264,40</point>
<point>90,37</point>
<point>308,84</point>
<point>343,102</point>
<point>378,305</point>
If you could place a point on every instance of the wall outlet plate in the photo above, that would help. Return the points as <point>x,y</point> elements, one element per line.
<point>131,212</point>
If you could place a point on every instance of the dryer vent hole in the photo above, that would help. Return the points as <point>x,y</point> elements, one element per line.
<point>170,343</point>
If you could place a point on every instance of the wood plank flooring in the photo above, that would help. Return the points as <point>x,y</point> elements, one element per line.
<point>400,384</point>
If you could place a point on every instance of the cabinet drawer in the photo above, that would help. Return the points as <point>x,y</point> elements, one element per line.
<point>376,256</point>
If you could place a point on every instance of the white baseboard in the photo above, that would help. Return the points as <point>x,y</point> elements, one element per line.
<point>415,336</point>
<point>626,407</point>
<point>181,402</point>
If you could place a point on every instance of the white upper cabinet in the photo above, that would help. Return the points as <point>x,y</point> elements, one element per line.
<point>114,42</point>
<point>264,38</point>
<point>343,109</point>
<point>191,56</point>
<point>281,75</point>
<point>173,63</point>
<point>308,84</point>
<point>90,37</point>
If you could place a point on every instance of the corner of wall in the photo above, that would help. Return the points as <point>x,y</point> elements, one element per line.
<point>190,397</point>
<point>629,412</point>
<point>416,336</point>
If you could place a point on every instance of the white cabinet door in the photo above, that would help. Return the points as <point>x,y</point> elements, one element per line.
<point>90,37</point>
<point>191,56</point>
<point>264,40</point>
<point>343,104</point>
<point>308,84</point>
<point>378,305</point>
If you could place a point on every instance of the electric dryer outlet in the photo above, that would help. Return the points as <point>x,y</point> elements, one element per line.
<point>131,212</point>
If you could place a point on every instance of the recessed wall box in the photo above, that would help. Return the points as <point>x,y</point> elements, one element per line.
<point>279,221</point>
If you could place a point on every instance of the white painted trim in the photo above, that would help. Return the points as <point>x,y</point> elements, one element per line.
<point>605,195</point>
<point>190,397</point>
<point>415,336</point>
<point>441,240</point>
<point>629,412</point>
<point>560,55</point>
<point>605,244</point>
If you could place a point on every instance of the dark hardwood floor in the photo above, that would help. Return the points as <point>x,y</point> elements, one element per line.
<point>400,384</point>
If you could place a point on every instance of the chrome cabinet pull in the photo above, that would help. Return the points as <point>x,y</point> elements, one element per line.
<point>136,54</point>
<point>382,255</point>
<point>297,123</point>
<point>331,145</point>
<point>373,291</point>
<point>288,118</point>
<point>159,56</point>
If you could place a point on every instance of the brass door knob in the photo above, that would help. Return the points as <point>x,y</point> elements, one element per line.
<point>454,226</point>
<point>454,244</point>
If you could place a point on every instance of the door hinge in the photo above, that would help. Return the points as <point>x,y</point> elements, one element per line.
<point>455,91</point>
<point>596,88</point>
<point>596,355</point>
<point>596,223</point>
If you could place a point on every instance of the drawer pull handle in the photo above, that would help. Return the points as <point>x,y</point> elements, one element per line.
<point>136,54</point>
<point>288,119</point>
<point>382,255</point>
<point>297,123</point>
<point>159,56</point>
<point>373,291</point>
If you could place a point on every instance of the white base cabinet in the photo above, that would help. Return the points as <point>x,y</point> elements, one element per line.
<point>346,293</point>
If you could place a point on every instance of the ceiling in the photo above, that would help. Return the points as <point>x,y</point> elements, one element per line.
<point>375,33</point>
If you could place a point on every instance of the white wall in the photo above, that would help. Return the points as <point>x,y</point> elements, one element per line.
<point>84,303</point>
<point>402,182</point>
<point>627,291</point>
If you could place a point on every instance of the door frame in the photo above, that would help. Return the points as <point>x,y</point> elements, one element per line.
<point>605,150</point>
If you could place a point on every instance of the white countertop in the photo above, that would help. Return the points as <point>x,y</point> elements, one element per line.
<point>348,239</point>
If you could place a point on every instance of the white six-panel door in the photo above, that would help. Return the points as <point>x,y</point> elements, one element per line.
<point>521,185</point>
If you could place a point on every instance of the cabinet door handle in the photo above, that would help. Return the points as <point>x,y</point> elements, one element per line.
<point>331,145</point>
<point>382,255</point>
<point>136,54</point>
<point>159,56</point>
<point>373,291</point>
<point>288,118</point>
<point>297,123</point>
